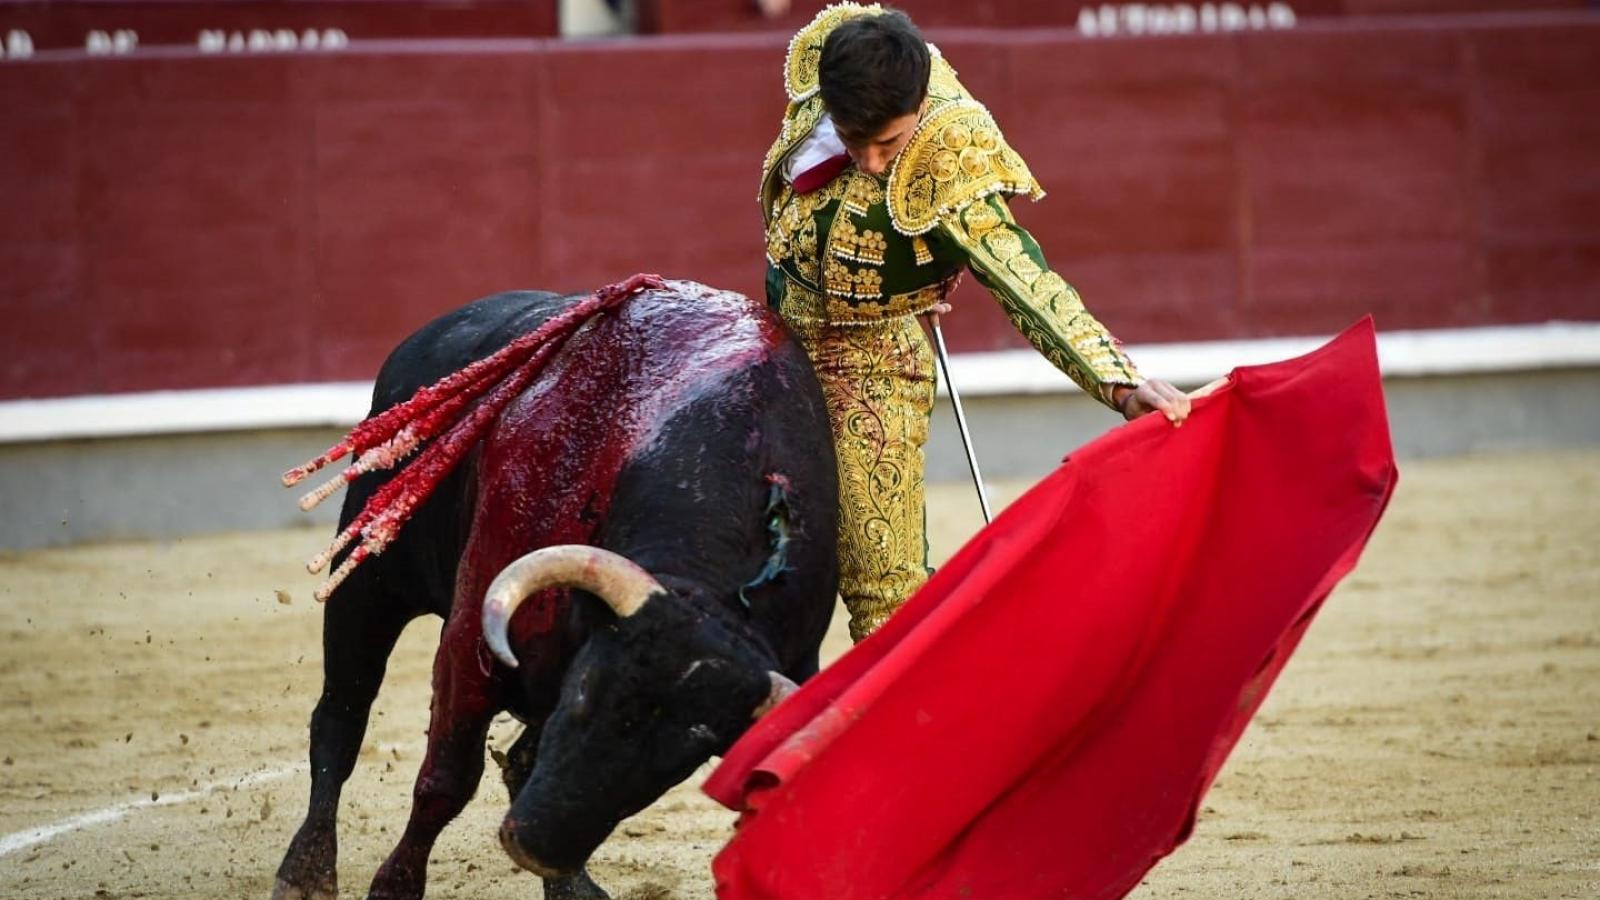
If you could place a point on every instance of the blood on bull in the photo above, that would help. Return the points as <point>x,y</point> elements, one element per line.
<point>641,483</point>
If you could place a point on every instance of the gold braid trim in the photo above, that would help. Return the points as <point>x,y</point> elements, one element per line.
<point>956,156</point>
<point>800,81</point>
<point>801,65</point>
<point>802,306</point>
<point>797,123</point>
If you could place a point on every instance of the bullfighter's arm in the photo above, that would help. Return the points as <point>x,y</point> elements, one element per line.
<point>1040,303</point>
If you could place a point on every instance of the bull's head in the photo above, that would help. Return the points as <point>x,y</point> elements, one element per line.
<point>662,687</point>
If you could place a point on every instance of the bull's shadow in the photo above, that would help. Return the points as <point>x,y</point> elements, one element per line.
<point>674,455</point>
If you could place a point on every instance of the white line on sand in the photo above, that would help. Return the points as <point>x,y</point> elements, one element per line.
<point>26,838</point>
<point>22,840</point>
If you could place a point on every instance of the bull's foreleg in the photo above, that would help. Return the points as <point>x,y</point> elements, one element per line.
<point>464,703</point>
<point>359,631</point>
<point>516,770</point>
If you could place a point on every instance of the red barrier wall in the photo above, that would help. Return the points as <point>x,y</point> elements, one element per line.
<point>179,221</point>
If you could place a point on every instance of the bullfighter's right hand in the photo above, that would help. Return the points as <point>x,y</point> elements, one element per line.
<point>1152,396</point>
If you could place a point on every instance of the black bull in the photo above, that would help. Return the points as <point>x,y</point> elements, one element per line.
<point>684,431</point>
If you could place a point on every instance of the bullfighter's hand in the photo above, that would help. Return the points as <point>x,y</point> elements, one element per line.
<point>1153,396</point>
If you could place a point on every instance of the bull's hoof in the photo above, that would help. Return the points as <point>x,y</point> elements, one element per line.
<point>577,886</point>
<point>282,890</point>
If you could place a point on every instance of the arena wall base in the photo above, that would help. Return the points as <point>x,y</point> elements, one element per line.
<point>171,485</point>
<point>158,486</point>
<point>1024,436</point>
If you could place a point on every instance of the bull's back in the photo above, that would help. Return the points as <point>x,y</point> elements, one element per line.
<point>651,433</point>
<point>458,338</point>
<point>685,386</point>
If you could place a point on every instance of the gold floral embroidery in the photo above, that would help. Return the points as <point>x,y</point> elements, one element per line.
<point>878,384</point>
<point>1003,243</point>
<point>1024,267</point>
<point>778,238</point>
<point>943,85</point>
<point>800,304</point>
<point>801,65</point>
<point>792,231</point>
<point>955,156</point>
<point>980,218</point>
<point>797,123</point>
<point>805,256</point>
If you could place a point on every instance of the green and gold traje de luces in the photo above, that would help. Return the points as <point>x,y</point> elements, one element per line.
<point>851,264</point>
<point>863,249</point>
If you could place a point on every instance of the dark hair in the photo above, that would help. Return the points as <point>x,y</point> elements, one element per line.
<point>874,69</point>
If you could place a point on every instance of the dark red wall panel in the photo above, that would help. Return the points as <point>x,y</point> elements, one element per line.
<point>174,220</point>
<point>190,221</point>
<point>1134,142</point>
<point>426,179</point>
<point>655,154</point>
<point>1357,157</point>
<point>1537,109</point>
<point>47,344</point>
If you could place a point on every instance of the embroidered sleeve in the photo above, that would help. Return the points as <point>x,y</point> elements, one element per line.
<point>1041,304</point>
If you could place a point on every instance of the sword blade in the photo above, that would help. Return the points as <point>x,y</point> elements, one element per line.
<point>961,416</point>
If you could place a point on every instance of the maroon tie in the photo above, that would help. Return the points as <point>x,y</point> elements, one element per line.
<point>820,174</point>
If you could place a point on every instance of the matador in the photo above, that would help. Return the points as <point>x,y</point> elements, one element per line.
<point>886,182</point>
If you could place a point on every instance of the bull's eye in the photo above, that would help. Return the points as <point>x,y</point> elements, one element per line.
<point>702,734</point>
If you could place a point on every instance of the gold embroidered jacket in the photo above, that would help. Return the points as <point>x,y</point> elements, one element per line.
<point>863,248</point>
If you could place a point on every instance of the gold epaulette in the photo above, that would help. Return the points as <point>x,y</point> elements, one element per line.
<point>801,66</point>
<point>956,155</point>
<point>800,80</point>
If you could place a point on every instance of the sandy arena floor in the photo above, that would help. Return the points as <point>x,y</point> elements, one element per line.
<point>1437,735</point>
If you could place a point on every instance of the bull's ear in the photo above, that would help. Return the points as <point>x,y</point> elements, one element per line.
<point>782,687</point>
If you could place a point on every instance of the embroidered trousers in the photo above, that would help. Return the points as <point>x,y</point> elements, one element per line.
<point>878,383</point>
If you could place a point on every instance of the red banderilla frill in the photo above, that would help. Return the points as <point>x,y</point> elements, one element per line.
<point>440,411</point>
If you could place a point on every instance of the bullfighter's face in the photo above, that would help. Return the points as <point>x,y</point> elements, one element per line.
<point>874,152</point>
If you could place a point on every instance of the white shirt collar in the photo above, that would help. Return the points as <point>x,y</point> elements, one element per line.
<point>820,145</point>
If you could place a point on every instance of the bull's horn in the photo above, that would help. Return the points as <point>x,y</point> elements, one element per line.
<point>615,579</point>
<point>781,689</point>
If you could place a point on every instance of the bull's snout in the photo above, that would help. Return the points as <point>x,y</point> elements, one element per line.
<point>513,837</point>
